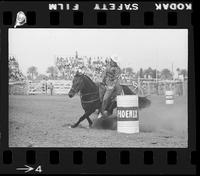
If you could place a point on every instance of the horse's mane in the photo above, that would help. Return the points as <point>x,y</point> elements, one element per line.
<point>88,78</point>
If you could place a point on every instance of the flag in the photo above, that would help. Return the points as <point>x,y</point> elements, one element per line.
<point>135,84</point>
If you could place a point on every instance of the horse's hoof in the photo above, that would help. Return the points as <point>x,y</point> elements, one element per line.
<point>72,126</point>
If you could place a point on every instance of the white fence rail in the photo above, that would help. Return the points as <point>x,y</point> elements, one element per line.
<point>59,87</point>
<point>56,87</point>
<point>62,87</point>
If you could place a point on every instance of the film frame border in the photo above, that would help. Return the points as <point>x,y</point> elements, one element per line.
<point>107,160</point>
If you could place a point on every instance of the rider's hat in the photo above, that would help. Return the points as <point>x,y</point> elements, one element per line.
<point>81,70</point>
<point>114,57</point>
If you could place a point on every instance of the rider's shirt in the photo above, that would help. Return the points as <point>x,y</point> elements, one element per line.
<point>111,74</point>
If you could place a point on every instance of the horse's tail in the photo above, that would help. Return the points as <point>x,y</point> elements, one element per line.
<point>127,90</point>
<point>144,102</point>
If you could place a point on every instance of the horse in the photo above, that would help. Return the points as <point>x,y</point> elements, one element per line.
<point>90,99</point>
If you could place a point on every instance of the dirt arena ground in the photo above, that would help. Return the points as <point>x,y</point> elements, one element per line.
<point>42,121</point>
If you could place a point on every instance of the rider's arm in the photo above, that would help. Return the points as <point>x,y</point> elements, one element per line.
<point>104,75</point>
<point>118,71</point>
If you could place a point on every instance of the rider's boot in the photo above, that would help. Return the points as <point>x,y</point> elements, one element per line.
<point>105,113</point>
<point>97,111</point>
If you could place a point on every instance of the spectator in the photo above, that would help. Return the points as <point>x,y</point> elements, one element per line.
<point>51,88</point>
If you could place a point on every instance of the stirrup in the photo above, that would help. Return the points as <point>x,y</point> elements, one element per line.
<point>100,115</point>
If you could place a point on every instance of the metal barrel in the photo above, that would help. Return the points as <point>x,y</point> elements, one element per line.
<point>127,114</point>
<point>169,97</point>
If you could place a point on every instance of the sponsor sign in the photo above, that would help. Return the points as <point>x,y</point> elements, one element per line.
<point>127,114</point>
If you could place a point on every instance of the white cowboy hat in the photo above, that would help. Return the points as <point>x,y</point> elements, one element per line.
<point>114,57</point>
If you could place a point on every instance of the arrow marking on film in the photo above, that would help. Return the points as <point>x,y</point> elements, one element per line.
<point>26,168</point>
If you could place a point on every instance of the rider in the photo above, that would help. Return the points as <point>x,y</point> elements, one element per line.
<point>111,82</point>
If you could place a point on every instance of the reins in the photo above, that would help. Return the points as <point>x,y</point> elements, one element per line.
<point>90,101</point>
<point>89,94</point>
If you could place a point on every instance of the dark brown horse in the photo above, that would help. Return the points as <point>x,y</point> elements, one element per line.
<point>90,100</point>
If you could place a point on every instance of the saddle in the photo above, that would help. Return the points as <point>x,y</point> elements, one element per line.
<point>102,90</point>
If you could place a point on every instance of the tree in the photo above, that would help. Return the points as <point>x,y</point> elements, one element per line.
<point>151,72</point>
<point>178,70</point>
<point>148,72</point>
<point>184,72</point>
<point>158,74</point>
<point>154,73</point>
<point>141,73</point>
<point>53,73</point>
<point>15,73</point>
<point>41,77</point>
<point>61,65</point>
<point>129,70</point>
<point>166,74</point>
<point>32,72</point>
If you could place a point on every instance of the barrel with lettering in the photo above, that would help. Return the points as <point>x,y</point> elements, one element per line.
<point>127,114</point>
<point>169,97</point>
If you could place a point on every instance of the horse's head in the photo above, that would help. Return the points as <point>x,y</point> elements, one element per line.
<point>77,84</point>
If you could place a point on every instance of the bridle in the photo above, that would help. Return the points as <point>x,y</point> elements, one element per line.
<point>74,90</point>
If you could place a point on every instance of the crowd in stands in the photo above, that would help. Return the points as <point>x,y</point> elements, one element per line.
<point>92,67</point>
<point>14,73</point>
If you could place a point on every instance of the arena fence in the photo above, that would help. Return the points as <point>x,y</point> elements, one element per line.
<point>50,87</point>
<point>18,88</point>
<point>35,88</point>
<point>145,87</point>
<point>141,87</point>
<point>59,87</point>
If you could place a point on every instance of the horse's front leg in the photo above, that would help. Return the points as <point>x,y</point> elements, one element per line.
<point>79,121</point>
<point>88,119</point>
<point>112,106</point>
<point>83,117</point>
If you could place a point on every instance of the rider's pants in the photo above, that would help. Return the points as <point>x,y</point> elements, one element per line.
<point>110,91</point>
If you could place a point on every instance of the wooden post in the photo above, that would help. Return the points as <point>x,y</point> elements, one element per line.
<point>149,89</point>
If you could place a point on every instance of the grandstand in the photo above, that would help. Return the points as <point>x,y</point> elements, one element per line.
<point>94,68</point>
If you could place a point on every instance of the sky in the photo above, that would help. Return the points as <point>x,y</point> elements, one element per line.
<point>136,48</point>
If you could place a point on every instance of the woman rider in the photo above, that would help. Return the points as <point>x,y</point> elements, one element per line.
<point>111,82</point>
